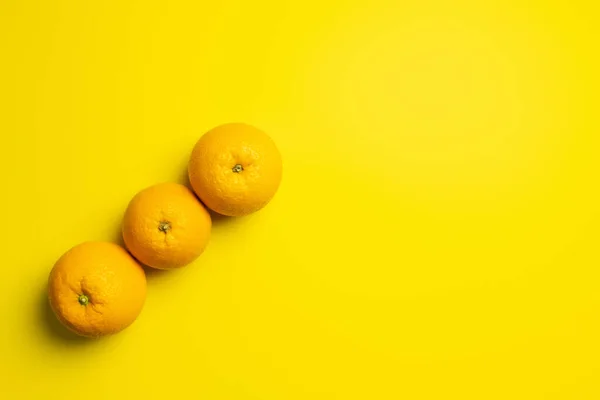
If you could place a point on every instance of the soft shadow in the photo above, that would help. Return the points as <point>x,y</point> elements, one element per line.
<point>55,330</point>
<point>154,274</point>
<point>184,178</point>
<point>118,236</point>
<point>220,219</point>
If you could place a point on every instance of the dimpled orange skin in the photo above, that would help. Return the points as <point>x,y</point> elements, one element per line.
<point>235,169</point>
<point>165,226</point>
<point>97,289</point>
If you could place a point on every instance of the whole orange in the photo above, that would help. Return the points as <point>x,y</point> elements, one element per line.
<point>235,169</point>
<point>165,226</point>
<point>97,289</point>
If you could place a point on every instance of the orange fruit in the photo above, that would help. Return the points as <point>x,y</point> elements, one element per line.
<point>235,169</point>
<point>166,226</point>
<point>97,289</point>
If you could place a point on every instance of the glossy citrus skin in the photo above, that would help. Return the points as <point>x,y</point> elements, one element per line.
<point>165,226</point>
<point>235,169</point>
<point>97,289</point>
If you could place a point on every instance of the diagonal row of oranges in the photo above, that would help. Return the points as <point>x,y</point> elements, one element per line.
<point>99,288</point>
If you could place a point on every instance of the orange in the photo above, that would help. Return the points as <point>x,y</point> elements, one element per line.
<point>97,289</point>
<point>235,169</point>
<point>166,226</point>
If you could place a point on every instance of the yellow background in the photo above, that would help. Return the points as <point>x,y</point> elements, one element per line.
<point>435,235</point>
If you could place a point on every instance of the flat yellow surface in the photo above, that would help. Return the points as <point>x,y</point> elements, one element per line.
<point>435,235</point>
